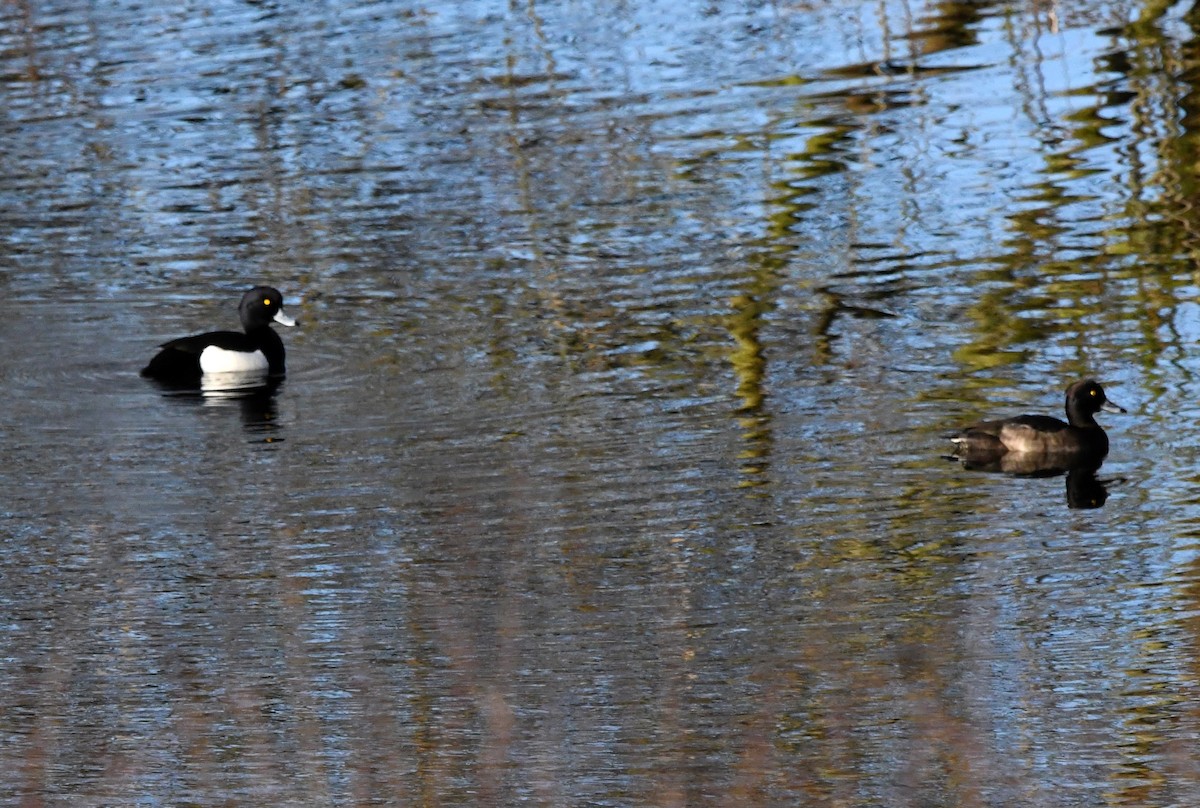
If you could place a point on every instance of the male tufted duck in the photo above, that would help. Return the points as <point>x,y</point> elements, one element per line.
<point>258,351</point>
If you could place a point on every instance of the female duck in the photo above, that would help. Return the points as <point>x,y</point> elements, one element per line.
<point>1081,438</point>
<point>257,351</point>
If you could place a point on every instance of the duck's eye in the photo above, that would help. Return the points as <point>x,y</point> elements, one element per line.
<point>1092,392</point>
<point>267,302</point>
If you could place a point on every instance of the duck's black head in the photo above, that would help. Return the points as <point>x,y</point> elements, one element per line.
<point>262,306</point>
<point>1084,400</point>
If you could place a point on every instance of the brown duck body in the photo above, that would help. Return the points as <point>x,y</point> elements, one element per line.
<point>1040,440</point>
<point>1034,433</point>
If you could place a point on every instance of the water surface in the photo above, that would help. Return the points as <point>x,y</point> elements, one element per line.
<point>608,469</point>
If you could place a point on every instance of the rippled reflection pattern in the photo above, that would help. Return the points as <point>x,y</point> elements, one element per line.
<point>607,469</point>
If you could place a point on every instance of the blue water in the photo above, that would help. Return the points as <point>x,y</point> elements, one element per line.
<point>608,469</point>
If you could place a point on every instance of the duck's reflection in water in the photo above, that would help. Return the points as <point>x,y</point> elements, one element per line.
<point>1084,488</point>
<point>253,396</point>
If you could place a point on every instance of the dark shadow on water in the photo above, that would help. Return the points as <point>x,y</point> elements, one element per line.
<point>1084,489</point>
<point>255,402</point>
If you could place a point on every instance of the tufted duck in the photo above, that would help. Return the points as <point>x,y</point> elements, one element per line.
<point>1038,436</point>
<point>259,351</point>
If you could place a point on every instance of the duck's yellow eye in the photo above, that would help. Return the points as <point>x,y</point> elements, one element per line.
<point>267,302</point>
<point>1092,392</point>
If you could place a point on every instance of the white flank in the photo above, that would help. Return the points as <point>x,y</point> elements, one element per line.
<point>219,360</point>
